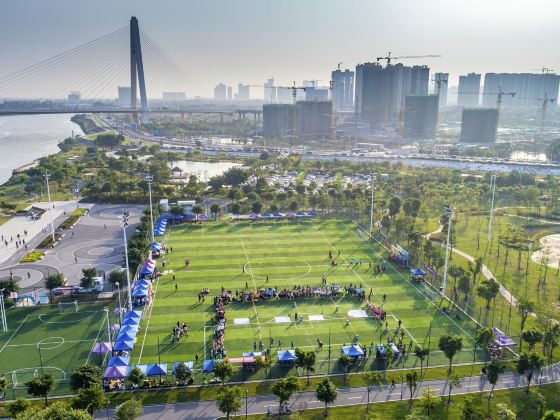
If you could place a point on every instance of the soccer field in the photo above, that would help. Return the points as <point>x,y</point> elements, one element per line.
<point>44,338</point>
<point>288,254</point>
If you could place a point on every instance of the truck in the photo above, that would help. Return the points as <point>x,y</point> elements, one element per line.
<point>97,286</point>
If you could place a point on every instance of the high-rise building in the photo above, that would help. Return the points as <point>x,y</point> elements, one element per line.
<point>314,119</point>
<point>74,97</point>
<point>342,89</point>
<point>380,91</point>
<point>229,93</point>
<point>420,116</point>
<point>440,87</point>
<point>269,91</point>
<point>530,89</point>
<point>174,96</point>
<point>242,92</point>
<point>284,95</point>
<point>469,90</point>
<point>317,94</point>
<point>124,96</point>
<point>278,120</point>
<point>479,125</point>
<point>220,92</point>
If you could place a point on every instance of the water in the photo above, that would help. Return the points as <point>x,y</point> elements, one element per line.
<point>203,170</point>
<point>28,137</point>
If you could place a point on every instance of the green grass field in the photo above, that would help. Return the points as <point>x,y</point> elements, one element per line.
<point>59,342</point>
<point>290,254</point>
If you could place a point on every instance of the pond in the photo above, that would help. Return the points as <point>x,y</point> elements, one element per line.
<point>203,170</point>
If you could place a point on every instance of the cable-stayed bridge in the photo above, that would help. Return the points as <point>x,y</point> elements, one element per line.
<point>125,59</point>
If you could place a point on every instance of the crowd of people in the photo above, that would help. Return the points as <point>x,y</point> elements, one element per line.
<point>218,349</point>
<point>179,330</point>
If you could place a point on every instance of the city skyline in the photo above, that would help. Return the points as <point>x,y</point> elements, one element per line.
<point>251,41</point>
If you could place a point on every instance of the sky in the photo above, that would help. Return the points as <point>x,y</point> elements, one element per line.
<point>248,41</point>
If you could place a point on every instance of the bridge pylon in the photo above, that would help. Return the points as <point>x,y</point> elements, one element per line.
<point>137,72</point>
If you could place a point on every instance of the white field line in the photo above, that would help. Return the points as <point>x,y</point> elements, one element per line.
<point>149,319</point>
<point>15,332</point>
<point>255,285</point>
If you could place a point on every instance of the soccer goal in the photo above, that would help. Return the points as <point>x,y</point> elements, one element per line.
<point>68,306</point>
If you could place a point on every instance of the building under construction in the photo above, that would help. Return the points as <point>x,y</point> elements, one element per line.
<point>313,120</point>
<point>420,116</point>
<point>479,125</point>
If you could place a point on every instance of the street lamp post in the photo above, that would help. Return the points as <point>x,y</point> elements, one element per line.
<point>47,176</point>
<point>371,210</point>
<point>108,325</point>
<point>149,180</point>
<point>3,311</point>
<point>449,210</point>
<point>493,184</point>
<point>125,224</point>
<point>119,294</point>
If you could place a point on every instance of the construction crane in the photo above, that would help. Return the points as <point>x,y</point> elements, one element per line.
<point>389,57</point>
<point>545,70</point>
<point>545,101</point>
<point>500,94</point>
<point>438,83</point>
<point>339,64</point>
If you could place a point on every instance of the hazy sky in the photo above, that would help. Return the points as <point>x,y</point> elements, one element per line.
<point>250,40</point>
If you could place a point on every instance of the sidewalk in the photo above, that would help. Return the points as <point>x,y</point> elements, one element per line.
<point>19,224</point>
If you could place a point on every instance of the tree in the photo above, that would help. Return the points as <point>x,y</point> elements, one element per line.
<point>215,210</point>
<point>524,308</point>
<point>198,210</point>
<point>464,285</point>
<point>177,210</point>
<point>223,370</point>
<point>86,376</point>
<point>109,141</point>
<point>503,412</point>
<point>182,373</point>
<point>284,388</point>
<point>429,401</point>
<point>136,376</point>
<point>453,381</point>
<point>256,207</point>
<point>88,274</point>
<point>235,208</point>
<point>3,385</point>
<point>470,409</point>
<point>532,336</point>
<point>372,378</point>
<point>90,399</point>
<point>344,361</point>
<point>421,353</point>
<point>53,281</point>
<point>235,176</point>
<point>306,360</point>
<point>527,363</point>
<point>117,276</point>
<point>484,338</point>
<point>493,371</point>
<point>57,411</point>
<point>129,410</point>
<point>450,345</point>
<point>229,400</point>
<point>40,386</point>
<point>265,363</point>
<point>550,415</point>
<point>412,378</point>
<point>9,285</point>
<point>326,392</point>
<point>18,406</point>
<point>488,290</point>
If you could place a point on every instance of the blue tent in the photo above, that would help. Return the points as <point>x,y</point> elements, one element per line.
<point>190,216</point>
<point>266,215</point>
<point>300,213</point>
<point>126,335</point>
<point>146,271</point>
<point>155,369</point>
<point>141,291</point>
<point>143,368</point>
<point>277,214</point>
<point>156,246</point>
<point>124,345</point>
<point>189,365</point>
<point>118,361</point>
<point>312,213</point>
<point>130,321</point>
<point>133,315</point>
<point>287,355</point>
<point>208,365</point>
<point>252,354</point>
<point>354,350</point>
<point>178,217</point>
<point>129,328</point>
<point>159,232</point>
<point>418,272</point>
<point>142,283</point>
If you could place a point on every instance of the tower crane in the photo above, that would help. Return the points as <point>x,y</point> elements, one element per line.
<point>500,94</point>
<point>545,101</point>
<point>339,64</point>
<point>545,70</point>
<point>389,57</point>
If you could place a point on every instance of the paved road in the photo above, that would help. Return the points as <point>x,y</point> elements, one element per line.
<point>349,396</point>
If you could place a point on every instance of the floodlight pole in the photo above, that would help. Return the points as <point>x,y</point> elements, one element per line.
<point>108,325</point>
<point>371,209</point>
<point>149,180</point>
<point>47,176</point>
<point>449,217</point>
<point>125,224</point>
<point>493,184</point>
<point>3,311</point>
<point>120,305</point>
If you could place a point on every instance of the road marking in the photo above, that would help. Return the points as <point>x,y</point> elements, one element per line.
<point>354,398</point>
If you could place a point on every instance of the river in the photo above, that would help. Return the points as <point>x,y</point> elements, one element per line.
<point>28,137</point>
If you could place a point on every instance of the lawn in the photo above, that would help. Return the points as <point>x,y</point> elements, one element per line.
<point>42,337</point>
<point>243,254</point>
